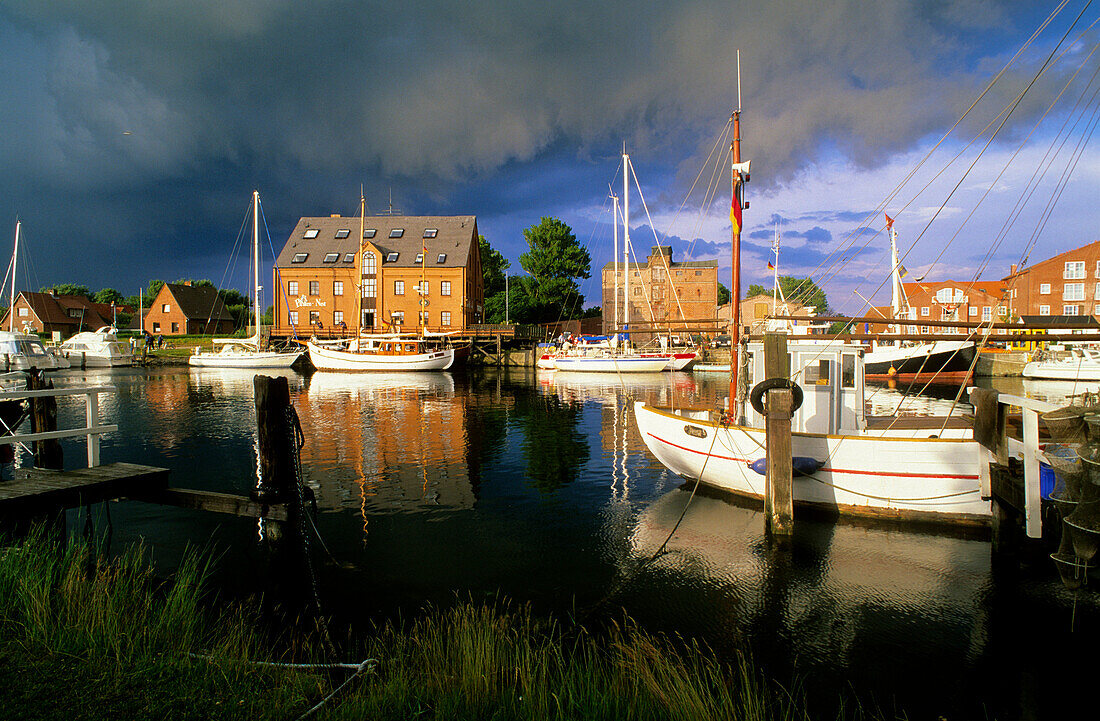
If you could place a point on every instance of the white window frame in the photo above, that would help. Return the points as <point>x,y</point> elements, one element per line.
<point>1073,291</point>
<point>1044,289</point>
<point>315,287</point>
<point>444,287</point>
<point>399,288</point>
<point>1075,270</point>
<point>987,313</point>
<point>445,318</point>
<point>1044,310</point>
<point>1071,310</point>
<point>924,311</point>
<point>292,318</point>
<point>292,287</point>
<point>165,308</point>
<point>337,317</point>
<point>370,262</point>
<point>973,310</point>
<point>370,287</point>
<point>337,287</point>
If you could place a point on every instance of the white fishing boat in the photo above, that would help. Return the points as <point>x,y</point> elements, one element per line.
<point>913,468</point>
<point>99,349</point>
<point>388,353</point>
<point>247,352</point>
<point>1077,364</point>
<point>23,351</point>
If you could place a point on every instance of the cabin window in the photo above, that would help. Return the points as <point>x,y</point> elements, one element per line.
<point>823,372</point>
<point>1044,289</point>
<point>419,258</point>
<point>431,232</point>
<point>397,232</point>
<point>848,370</point>
<point>311,233</point>
<point>399,287</point>
<point>370,262</point>
<point>315,287</point>
<point>369,232</point>
<point>337,287</point>
<point>392,257</point>
<point>349,257</point>
<point>337,317</point>
<point>166,308</point>
<point>442,258</point>
<point>292,287</point>
<point>331,257</point>
<point>299,258</point>
<point>445,318</point>
<point>370,287</point>
<point>293,317</point>
<point>1074,271</point>
<point>444,287</point>
<point>410,348</point>
<point>343,233</point>
<point>698,272</point>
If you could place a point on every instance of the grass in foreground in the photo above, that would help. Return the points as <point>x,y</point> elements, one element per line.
<point>86,638</point>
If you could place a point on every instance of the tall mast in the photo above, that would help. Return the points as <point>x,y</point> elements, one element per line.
<point>736,178</point>
<point>359,264</point>
<point>626,239</point>
<point>14,267</point>
<point>256,263</point>
<point>615,261</point>
<point>898,301</point>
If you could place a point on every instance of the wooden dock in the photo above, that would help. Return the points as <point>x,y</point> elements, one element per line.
<point>39,490</point>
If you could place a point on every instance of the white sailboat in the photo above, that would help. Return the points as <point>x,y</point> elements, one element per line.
<point>21,351</point>
<point>247,352</point>
<point>392,352</point>
<point>919,469</point>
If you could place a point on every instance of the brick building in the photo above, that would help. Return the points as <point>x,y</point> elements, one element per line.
<point>949,300</point>
<point>409,271</point>
<point>755,310</point>
<point>187,309</point>
<point>662,290</point>
<point>1067,284</point>
<point>66,314</point>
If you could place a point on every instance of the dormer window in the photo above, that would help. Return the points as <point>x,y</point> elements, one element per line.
<point>391,257</point>
<point>419,258</point>
<point>349,257</point>
<point>343,233</point>
<point>442,258</point>
<point>332,257</point>
<point>299,258</point>
<point>431,232</point>
<point>397,232</point>
<point>369,232</point>
<point>311,233</point>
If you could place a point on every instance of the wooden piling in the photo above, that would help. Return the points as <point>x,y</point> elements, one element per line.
<point>47,452</point>
<point>276,481</point>
<point>778,403</point>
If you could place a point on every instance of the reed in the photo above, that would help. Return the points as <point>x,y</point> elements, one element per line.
<point>88,638</point>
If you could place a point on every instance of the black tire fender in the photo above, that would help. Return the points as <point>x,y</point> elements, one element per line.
<point>756,396</point>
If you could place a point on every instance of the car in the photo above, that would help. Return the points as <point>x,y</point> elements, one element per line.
<point>722,341</point>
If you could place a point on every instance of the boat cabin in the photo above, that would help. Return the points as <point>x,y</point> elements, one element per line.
<point>830,375</point>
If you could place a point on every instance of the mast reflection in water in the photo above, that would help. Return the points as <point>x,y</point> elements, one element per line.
<point>436,487</point>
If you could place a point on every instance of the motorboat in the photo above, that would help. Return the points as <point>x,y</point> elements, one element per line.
<point>98,349</point>
<point>380,353</point>
<point>1077,364</point>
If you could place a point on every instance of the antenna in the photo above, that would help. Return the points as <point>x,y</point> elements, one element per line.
<point>738,81</point>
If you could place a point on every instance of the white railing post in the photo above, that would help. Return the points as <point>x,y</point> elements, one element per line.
<point>92,407</point>
<point>1032,501</point>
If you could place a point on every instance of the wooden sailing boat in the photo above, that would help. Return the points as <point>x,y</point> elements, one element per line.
<point>246,352</point>
<point>922,469</point>
<point>390,352</point>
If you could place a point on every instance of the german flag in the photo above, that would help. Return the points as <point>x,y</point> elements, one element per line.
<point>735,208</point>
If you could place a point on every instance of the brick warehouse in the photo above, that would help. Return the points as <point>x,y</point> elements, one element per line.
<point>661,290</point>
<point>320,275</point>
<point>1067,284</point>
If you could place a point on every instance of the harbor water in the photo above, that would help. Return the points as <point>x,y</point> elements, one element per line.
<point>437,488</point>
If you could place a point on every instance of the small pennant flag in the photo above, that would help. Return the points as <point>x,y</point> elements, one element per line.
<point>771,266</point>
<point>902,272</point>
<point>889,222</point>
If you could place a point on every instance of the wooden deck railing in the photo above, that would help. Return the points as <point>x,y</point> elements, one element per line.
<point>92,430</point>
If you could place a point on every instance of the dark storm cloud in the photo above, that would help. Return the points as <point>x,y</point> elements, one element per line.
<point>146,125</point>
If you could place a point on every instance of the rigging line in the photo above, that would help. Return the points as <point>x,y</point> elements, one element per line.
<point>279,280</point>
<point>232,258</point>
<point>927,156</point>
<point>714,149</point>
<point>664,261</point>
<point>1066,172</point>
<point>1008,114</point>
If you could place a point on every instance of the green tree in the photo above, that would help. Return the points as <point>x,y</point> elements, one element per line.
<point>68,289</point>
<point>493,265</point>
<point>151,292</point>
<point>197,283</point>
<point>555,260</point>
<point>796,290</point>
<point>109,295</point>
<point>723,294</point>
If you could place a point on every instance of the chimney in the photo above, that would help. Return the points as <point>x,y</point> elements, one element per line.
<point>187,282</point>
<point>1012,269</point>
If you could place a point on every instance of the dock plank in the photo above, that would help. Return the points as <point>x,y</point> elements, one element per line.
<point>214,502</point>
<point>38,490</point>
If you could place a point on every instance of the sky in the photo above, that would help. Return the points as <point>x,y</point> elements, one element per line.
<point>133,133</point>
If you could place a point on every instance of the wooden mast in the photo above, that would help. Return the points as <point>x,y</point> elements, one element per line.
<point>359,265</point>
<point>735,280</point>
